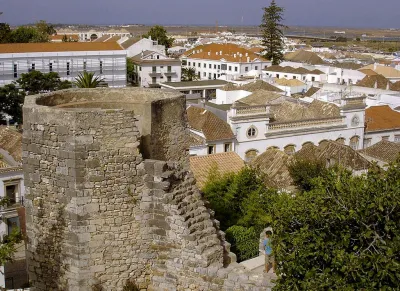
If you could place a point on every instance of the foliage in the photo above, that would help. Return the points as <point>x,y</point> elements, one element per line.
<point>272,33</point>
<point>130,70</point>
<point>241,203</point>
<point>88,80</point>
<point>244,241</point>
<point>11,101</point>
<point>9,242</point>
<point>24,34</point>
<point>303,172</point>
<point>35,82</point>
<point>342,234</point>
<point>5,32</point>
<point>159,33</point>
<point>189,74</point>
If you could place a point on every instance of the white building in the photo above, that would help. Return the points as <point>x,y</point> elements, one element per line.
<point>212,61</point>
<point>208,133</point>
<point>134,46</point>
<point>299,73</point>
<point>90,35</point>
<point>68,59</point>
<point>153,68</point>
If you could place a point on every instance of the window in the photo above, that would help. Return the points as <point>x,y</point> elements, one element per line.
<point>256,68</point>
<point>294,78</point>
<point>84,66</point>
<point>11,193</point>
<point>12,223</point>
<point>209,76</point>
<point>169,69</point>
<point>215,76</point>
<point>158,57</point>
<point>277,76</point>
<point>169,79</point>
<point>184,63</point>
<point>219,67</point>
<point>154,80</point>
<point>194,64</point>
<point>313,79</point>
<point>355,121</point>
<point>198,74</point>
<point>228,147</point>
<point>386,137</point>
<point>15,71</point>
<point>154,69</point>
<point>367,142</point>
<point>304,78</point>
<point>246,69</point>
<point>199,65</point>
<point>252,132</point>
<point>205,65</point>
<point>51,67</point>
<point>285,76</point>
<point>397,138</point>
<point>289,149</point>
<point>236,69</point>
<point>140,69</point>
<point>211,149</point>
<point>215,66</point>
<point>101,67</point>
<point>230,68</point>
<point>188,63</point>
<point>204,74</point>
<point>68,69</point>
<point>354,142</point>
<point>209,66</point>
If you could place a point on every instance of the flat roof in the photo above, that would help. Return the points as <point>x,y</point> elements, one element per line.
<point>189,84</point>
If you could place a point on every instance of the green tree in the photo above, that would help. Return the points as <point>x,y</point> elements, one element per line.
<point>130,71</point>
<point>5,33</point>
<point>304,171</point>
<point>88,80</point>
<point>189,74</point>
<point>11,101</point>
<point>272,33</point>
<point>159,33</point>
<point>35,82</point>
<point>45,29</point>
<point>25,34</point>
<point>343,234</point>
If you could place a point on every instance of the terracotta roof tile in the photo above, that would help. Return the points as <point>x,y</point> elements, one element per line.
<point>11,141</point>
<point>224,162</point>
<point>385,151</point>
<point>129,42</point>
<point>312,91</point>
<point>260,85</point>
<point>209,124</point>
<point>381,118</point>
<point>102,38</point>
<point>288,82</point>
<point>58,47</point>
<point>61,36</point>
<point>230,52</point>
<point>259,97</point>
<point>371,80</point>
<point>303,56</point>
<point>114,38</point>
<point>196,140</point>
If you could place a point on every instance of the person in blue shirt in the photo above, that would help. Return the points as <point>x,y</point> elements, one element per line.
<point>269,257</point>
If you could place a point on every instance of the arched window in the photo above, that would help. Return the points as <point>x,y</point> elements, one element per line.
<point>93,37</point>
<point>341,140</point>
<point>250,155</point>
<point>354,142</point>
<point>251,132</point>
<point>355,121</point>
<point>289,149</point>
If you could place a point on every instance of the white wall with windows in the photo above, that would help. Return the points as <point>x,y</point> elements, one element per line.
<point>110,65</point>
<point>373,137</point>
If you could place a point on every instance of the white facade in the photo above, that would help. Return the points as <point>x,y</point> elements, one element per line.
<point>373,137</point>
<point>110,65</point>
<point>229,97</point>
<point>211,147</point>
<point>154,68</point>
<point>214,69</point>
<point>145,44</point>
<point>347,128</point>
<point>94,34</point>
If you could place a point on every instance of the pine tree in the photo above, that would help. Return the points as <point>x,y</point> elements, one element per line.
<point>272,33</point>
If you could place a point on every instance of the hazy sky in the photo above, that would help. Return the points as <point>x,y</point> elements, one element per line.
<point>350,13</point>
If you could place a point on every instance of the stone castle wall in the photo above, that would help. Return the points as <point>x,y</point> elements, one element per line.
<point>110,197</point>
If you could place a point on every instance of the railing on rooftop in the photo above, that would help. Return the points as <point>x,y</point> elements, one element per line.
<point>306,123</point>
<point>250,110</point>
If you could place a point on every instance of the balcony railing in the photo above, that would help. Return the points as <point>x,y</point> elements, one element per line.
<point>170,73</point>
<point>155,74</point>
<point>326,122</point>
<point>250,110</point>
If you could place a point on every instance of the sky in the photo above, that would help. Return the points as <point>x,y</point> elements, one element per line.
<point>336,13</point>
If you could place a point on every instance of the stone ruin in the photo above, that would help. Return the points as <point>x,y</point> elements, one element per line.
<point>110,196</point>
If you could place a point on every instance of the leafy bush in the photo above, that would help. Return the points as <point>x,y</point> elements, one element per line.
<point>244,241</point>
<point>304,171</point>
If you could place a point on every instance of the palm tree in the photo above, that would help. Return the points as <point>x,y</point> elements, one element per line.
<point>87,80</point>
<point>189,74</point>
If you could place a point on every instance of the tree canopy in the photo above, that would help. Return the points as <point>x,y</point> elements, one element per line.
<point>159,33</point>
<point>189,74</point>
<point>40,32</point>
<point>11,101</point>
<point>35,82</point>
<point>272,33</point>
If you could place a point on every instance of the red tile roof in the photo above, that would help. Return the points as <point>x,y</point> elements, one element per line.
<point>381,118</point>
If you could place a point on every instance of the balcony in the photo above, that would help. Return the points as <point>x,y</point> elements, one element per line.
<point>155,74</point>
<point>170,73</point>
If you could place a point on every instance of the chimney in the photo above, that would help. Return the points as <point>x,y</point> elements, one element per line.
<point>220,53</point>
<point>374,66</point>
<point>376,85</point>
<point>248,59</point>
<point>387,86</point>
<point>209,53</point>
<point>234,55</point>
<point>150,37</point>
<point>247,54</point>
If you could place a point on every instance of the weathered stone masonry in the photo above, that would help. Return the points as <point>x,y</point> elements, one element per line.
<point>110,196</point>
